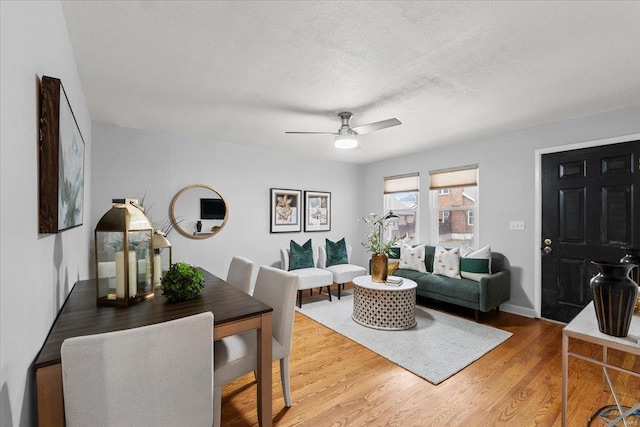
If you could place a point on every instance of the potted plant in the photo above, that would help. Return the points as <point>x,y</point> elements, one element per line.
<point>376,244</point>
<point>182,282</point>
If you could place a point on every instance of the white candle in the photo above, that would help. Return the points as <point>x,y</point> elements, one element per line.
<point>157,269</point>
<point>133,274</point>
<point>120,274</point>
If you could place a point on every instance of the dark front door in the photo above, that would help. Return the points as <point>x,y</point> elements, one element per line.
<point>590,210</point>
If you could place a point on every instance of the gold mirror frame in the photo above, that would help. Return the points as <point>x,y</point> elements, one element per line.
<point>176,222</point>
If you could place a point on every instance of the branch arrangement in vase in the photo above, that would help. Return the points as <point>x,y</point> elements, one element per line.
<point>378,225</point>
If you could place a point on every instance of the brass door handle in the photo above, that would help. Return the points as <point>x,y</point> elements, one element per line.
<point>547,249</point>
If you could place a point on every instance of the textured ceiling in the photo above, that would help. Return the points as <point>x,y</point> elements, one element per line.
<point>246,72</point>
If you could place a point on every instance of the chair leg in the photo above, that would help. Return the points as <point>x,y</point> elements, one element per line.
<point>329,291</point>
<point>339,285</point>
<point>299,299</point>
<point>477,313</point>
<point>217,405</point>
<point>284,378</point>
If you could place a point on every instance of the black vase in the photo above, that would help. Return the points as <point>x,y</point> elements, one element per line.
<point>199,226</point>
<point>614,297</point>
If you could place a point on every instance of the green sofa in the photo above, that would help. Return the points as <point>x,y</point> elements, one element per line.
<point>484,296</point>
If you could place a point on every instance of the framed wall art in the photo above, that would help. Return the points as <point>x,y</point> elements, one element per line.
<point>317,211</point>
<point>61,161</point>
<point>286,216</point>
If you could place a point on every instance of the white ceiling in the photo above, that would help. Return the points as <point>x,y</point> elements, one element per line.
<point>245,72</point>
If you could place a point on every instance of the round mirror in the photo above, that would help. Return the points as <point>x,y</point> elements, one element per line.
<point>198,211</point>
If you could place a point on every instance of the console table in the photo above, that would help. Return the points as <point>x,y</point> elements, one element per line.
<point>584,327</point>
<point>384,306</point>
<point>233,311</point>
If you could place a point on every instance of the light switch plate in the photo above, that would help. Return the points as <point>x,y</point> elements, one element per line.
<point>516,225</point>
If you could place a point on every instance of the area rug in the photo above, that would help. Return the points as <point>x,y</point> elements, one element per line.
<point>437,348</point>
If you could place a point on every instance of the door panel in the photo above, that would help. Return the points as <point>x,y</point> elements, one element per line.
<point>590,210</point>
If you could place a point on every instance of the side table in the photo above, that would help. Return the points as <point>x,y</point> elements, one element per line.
<point>384,306</point>
<point>584,327</point>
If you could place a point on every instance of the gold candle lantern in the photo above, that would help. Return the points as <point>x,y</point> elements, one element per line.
<point>123,252</point>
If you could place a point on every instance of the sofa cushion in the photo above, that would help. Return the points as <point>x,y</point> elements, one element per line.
<point>412,258</point>
<point>447,262</point>
<point>336,252</point>
<point>475,264</point>
<point>300,256</point>
<point>462,289</point>
<point>409,274</point>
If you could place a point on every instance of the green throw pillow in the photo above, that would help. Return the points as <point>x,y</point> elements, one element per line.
<point>300,256</point>
<point>475,264</point>
<point>336,252</point>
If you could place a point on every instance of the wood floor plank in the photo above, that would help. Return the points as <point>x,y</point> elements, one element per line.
<point>337,382</point>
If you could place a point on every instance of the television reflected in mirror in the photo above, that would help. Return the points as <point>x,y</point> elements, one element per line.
<point>212,209</point>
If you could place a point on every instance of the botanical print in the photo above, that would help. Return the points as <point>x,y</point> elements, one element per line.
<point>318,214</point>
<point>286,216</point>
<point>71,169</point>
<point>317,211</point>
<point>286,211</point>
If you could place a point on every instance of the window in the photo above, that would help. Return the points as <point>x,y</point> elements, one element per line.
<point>401,197</point>
<point>454,195</point>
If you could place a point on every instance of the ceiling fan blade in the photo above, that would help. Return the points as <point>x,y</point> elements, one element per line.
<point>371,127</point>
<point>314,133</point>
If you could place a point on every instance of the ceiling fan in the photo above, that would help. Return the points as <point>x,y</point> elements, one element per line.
<point>347,136</point>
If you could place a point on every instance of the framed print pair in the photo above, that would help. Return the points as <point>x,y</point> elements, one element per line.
<point>286,214</point>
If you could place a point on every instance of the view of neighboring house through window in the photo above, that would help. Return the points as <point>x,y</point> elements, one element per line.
<point>401,197</point>
<point>454,194</point>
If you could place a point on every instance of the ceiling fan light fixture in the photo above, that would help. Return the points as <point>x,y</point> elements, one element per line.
<point>346,142</point>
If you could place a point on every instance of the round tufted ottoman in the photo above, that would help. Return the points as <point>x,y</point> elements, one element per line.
<point>384,306</point>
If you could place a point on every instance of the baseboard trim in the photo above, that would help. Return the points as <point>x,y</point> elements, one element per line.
<point>520,311</point>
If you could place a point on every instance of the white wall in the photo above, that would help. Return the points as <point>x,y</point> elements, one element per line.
<point>37,270</point>
<point>130,162</point>
<point>507,186</point>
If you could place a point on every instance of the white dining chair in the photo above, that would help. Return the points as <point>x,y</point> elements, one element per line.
<point>240,274</point>
<point>236,355</point>
<point>342,273</point>
<point>154,375</point>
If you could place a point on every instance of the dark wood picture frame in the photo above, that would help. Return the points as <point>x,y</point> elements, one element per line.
<point>317,211</point>
<point>61,161</point>
<point>286,212</point>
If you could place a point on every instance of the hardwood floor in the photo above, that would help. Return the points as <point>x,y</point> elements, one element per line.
<point>336,382</point>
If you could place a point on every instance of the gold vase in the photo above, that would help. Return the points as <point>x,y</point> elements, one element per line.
<point>379,267</point>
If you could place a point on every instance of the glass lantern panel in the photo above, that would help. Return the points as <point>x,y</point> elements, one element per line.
<point>109,247</point>
<point>161,264</point>
<point>140,268</point>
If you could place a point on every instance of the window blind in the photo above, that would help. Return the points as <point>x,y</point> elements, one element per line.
<point>401,183</point>
<point>464,176</point>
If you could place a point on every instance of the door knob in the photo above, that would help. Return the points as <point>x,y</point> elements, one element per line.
<point>548,241</point>
<point>547,249</point>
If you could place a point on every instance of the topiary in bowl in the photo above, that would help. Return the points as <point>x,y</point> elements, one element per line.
<point>182,282</point>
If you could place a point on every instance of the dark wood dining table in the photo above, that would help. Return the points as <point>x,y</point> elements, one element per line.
<point>234,311</point>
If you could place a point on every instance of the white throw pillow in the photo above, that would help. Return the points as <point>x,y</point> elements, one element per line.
<point>475,264</point>
<point>447,262</point>
<point>412,258</point>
